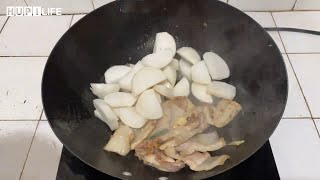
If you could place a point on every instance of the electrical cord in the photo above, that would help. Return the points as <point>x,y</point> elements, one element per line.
<point>292,30</point>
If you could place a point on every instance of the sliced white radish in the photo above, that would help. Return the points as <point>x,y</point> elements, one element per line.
<point>182,88</point>
<point>101,89</point>
<point>125,83</point>
<point>116,111</point>
<point>115,73</point>
<point>148,105</point>
<point>163,90</point>
<point>107,114</point>
<point>185,69</point>
<point>171,74</point>
<point>222,90</point>
<point>159,97</point>
<point>98,115</point>
<point>200,92</point>
<point>174,64</point>
<point>200,74</point>
<point>120,99</point>
<point>189,54</point>
<point>145,78</point>
<point>131,118</point>
<point>158,60</point>
<point>217,67</point>
<point>166,83</point>
<point>164,41</point>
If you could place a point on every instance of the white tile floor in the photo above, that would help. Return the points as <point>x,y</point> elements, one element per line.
<point>295,143</point>
<point>38,37</point>
<point>76,18</point>
<point>296,148</point>
<point>297,42</point>
<point>15,141</point>
<point>20,90</point>
<point>68,6</point>
<point>45,148</point>
<point>99,3</point>
<point>307,70</point>
<point>4,4</point>
<point>2,21</point>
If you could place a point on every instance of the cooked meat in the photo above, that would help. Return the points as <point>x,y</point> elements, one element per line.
<point>202,143</point>
<point>183,103</point>
<point>195,159</point>
<point>143,133</point>
<point>171,152</point>
<point>149,152</point>
<point>211,163</point>
<point>224,113</point>
<point>176,139</point>
<point>120,141</point>
<point>162,164</point>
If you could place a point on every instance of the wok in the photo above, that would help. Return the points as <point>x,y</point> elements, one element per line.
<point>123,32</point>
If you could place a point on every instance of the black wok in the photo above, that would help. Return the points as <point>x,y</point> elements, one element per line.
<point>123,32</point>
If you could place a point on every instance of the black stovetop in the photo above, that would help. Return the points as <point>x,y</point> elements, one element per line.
<point>260,166</point>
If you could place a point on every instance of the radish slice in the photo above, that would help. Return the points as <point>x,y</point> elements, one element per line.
<point>200,92</point>
<point>98,115</point>
<point>115,73</point>
<point>107,114</point>
<point>171,74</point>
<point>185,69</point>
<point>120,99</point>
<point>148,105</point>
<point>159,98</point>
<point>200,74</point>
<point>125,83</point>
<point>163,90</point>
<point>222,90</point>
<point>189,54</point>
<point>166,84</point>
<point>158,60</point>
<point>131,118</point>
<point>101,90</point>
<point>217,67</point>
<point>174,64</point>
<point>146,78</point>
<point>116,111</point>
<point>164,41</point>
<point>182,88</point>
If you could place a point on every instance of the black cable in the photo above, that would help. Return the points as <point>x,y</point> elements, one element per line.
<point>292,30</point>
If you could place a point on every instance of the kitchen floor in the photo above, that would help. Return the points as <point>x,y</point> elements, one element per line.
<point>29,150</point>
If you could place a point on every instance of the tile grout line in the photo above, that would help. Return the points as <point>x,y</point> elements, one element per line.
<point>92,4</point>
<point>24,56</point>
<point>274,21</point>
<point>24,164</point>
<point>297,10</point>
<point>304,97</point>
<point>4,24</point>
<point>71,20</point>
<point>294,5</point>
<point>305,53</point>
<point>22,120</point>
<point>41,114</point>
<point>295,74</point>
<point>296,118</point>
<point>25,1</point>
